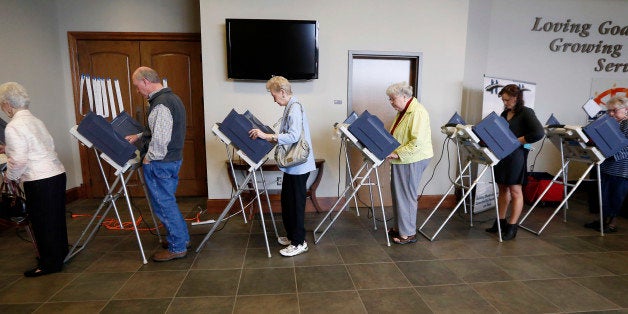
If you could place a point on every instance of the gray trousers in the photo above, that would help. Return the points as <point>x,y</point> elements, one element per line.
<point>405,180</point>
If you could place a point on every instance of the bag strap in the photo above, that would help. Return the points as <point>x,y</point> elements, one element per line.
<point>287,112</point>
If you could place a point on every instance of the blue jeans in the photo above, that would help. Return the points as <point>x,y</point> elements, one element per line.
<point>161,180</point>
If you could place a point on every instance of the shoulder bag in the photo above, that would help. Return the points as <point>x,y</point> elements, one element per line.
<point>290,155</point>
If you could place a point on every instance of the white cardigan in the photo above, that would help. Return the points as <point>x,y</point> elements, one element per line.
<point>30,149</point>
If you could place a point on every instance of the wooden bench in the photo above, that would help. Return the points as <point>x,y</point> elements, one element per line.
<point>239,165</point>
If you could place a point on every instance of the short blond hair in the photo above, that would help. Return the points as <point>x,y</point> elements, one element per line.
<point>15,95</point>
<point>617,102</point>
<point>277,83</point>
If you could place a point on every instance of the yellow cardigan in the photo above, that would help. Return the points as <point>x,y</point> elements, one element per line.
<point>414,134</point>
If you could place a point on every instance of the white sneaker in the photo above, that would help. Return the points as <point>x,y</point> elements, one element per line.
<point>292,250</point>
<point>284,241</point>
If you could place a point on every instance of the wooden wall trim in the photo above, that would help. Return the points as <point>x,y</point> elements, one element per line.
<point>216,206</point>
<point>135,36</point>
<point>74,194</point>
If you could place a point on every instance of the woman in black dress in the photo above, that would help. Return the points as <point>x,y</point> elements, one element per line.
<point>511,172</point>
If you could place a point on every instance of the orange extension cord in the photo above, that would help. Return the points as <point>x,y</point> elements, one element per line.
<point>113,224</point>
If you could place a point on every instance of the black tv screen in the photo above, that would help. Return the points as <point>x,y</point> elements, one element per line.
<point>259,49</point>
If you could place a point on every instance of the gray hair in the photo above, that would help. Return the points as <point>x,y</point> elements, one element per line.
<point>398,89</point>
<point>15,95</point>
<point>277,83</point>
<point>617,102</point>
<point>148,74</point>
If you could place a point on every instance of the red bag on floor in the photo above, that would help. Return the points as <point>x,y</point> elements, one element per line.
<point>537,182</point>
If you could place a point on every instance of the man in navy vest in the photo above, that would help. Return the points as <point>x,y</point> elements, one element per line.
<point>162,161</point>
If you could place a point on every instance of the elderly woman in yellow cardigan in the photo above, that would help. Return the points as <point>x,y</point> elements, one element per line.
<point>412,129</point>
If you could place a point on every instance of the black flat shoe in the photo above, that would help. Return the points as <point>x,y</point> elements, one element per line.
<point>511,232</point>
<point>593,225</point>
<point>493,229</point>
<point>610,229</point>
<point>36,272</point>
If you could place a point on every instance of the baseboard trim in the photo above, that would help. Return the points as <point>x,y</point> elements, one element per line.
<point>216,206</point>
<point>73,194</point>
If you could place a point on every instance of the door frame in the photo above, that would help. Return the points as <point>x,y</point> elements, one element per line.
<point>416,65</point>
<point>418,69</point>
<point>73,38</point>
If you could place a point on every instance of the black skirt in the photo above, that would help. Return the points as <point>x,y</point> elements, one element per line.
<point>511,170</point>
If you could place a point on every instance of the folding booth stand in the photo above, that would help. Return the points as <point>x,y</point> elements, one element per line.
<point>17,221</point>
<point>115,190</point>
<point>572,143</point>
<point>363,178</point>
<point>475,154</point>
<point>344,148</point>
<point>249,180</point>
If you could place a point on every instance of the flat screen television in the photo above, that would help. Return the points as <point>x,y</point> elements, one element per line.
<point>258,49</point>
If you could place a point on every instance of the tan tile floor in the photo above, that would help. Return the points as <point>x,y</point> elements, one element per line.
<point>566,269</point>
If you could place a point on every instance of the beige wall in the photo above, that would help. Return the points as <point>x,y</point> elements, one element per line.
<point>502,44</point>
<point>460,41</point>
<point>435,28</point>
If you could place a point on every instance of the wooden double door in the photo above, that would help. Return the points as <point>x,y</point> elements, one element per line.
<point>176,57</point>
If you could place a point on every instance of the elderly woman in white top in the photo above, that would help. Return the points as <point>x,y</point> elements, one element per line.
<point>293,187</point>
<point>31,159</point>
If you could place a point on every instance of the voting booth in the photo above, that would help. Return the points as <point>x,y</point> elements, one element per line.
<point>106,140</point>
<point>368,135</point>
<point>589,145</point>
<point>233,132</point>
<point>483,144</point>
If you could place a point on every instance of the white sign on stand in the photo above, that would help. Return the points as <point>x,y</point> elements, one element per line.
<point>493,85</point>
<point>484,199</point>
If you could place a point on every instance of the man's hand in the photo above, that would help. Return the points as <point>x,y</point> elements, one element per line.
<point>132,138</point>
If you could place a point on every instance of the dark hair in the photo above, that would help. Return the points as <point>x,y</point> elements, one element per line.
<point>513,91</point>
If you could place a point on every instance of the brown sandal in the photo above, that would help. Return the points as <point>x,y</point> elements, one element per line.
<point>409,239</point>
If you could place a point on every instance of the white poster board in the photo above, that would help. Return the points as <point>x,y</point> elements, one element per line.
<point>493,85</point>
<point>484,199</point>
